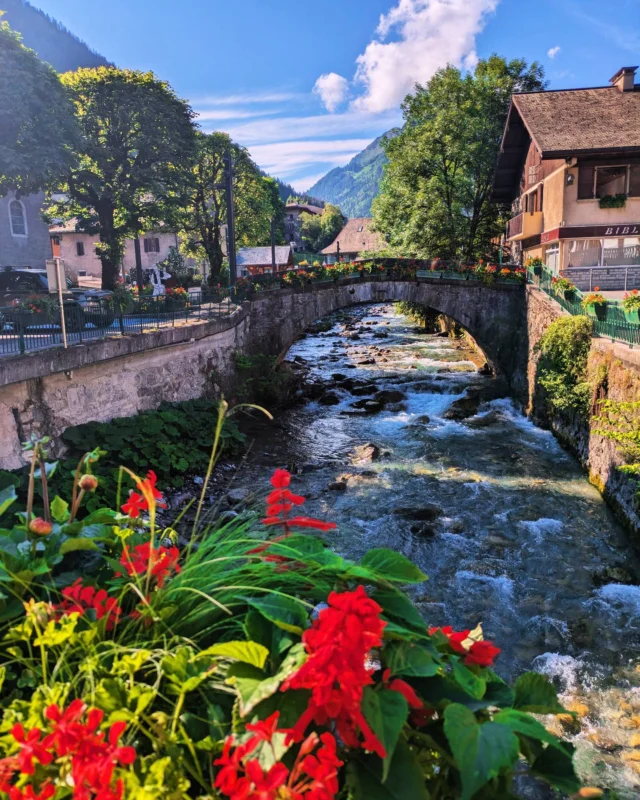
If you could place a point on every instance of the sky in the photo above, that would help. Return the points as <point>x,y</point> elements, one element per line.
<point>306,86</point>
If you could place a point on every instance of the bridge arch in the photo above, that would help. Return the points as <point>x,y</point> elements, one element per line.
<point>493,315</point>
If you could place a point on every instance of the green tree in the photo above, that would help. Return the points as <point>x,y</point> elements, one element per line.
<point>134,158</point>
<point>319,230</point>
<point>256,201</point>
<point>37,125</point>
<point>435,196</point>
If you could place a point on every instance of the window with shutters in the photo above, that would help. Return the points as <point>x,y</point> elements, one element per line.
<point>634,181</point>
<point>18,218</point>
<point>611,180</point>
<point>597,182</point>
<point>79,248</point>
<point>152,245</point>
<point>586,177</point>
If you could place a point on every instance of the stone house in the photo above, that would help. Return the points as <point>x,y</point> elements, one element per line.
<point>356,237</point>
<point>570,166</point>
<point>78,250</point>
<point>293,223</point>
<point>24,235</point>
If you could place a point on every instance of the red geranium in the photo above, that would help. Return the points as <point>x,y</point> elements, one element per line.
<point>160,562</point>
<point>79,599</point>
<point>138,502</point>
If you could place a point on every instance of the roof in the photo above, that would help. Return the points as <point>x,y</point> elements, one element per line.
<point>65,227</point>
<point>355,237</point>
<point>261,256</point>
<point>564,124</point>
<point>303,207</point>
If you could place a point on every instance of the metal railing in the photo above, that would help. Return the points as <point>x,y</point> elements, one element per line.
<point>610,321</point>
<point>23,331</point>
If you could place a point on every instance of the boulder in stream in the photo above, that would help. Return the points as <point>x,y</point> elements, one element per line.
<point>329,399</point>
<point>337,486</point>
<point>426,513</point>
<point>365,453</point>
<point>390,396</point>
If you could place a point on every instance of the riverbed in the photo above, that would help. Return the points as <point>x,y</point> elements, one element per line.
<point>500,517</point>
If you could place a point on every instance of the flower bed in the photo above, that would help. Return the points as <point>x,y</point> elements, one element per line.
<point>254,660</point>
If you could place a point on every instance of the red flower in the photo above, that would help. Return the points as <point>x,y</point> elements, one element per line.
<point>79,599</point>
<point>47,790</point>
<point>160,562</point>
<point>337,644</point>
<point>137,502</point>
<point>482,653</point>
<point>407,691</point>
<point>31,749</point>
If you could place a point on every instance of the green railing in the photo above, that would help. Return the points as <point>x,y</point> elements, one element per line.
<point>610,321</point>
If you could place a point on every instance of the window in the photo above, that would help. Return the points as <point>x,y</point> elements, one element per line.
<point>152,245</point>
<point>552,257</point>
<point>532,176</point>
<point>611,252</point>
<point>360,229</point>
<point>79,248</point>
<point>634,181</point>
<point>596,182</point>
<point>611,180</point>
<point>18,218</point>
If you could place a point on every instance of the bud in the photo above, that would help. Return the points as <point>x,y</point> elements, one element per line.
<point>88,483</point>
<point>590,792</point>
<point>40,526</point>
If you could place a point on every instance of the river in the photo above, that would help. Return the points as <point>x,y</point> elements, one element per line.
<point>498,515</point>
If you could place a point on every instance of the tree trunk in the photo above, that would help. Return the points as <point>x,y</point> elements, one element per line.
<point>111,249</point>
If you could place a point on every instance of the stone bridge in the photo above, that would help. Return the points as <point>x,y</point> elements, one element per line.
<point>47,391</point>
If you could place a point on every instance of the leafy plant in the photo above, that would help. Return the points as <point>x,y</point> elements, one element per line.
<point>595,298</point>
<point>613,201</point>
<point>561,285</point>
<point>562,367</point>
<point>261,381</point>
<point>620,423</point>
<point>631,300</point>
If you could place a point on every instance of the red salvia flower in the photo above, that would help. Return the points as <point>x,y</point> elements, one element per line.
<point>482,653</point>
<point>78,599</point>
<point>161,562</point>
<point>137,502</point>
<point>337,645</point>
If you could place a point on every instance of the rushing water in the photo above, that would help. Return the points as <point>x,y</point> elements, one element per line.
<point>520,541</point>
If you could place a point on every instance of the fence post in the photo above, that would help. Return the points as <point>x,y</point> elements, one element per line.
<point>626,276</point>
<point>21,343</point>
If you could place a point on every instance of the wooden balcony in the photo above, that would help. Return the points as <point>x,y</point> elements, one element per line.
<point>515,226</point>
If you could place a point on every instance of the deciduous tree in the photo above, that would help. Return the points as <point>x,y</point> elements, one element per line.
<point>319,230</point>
<point>435,197</point>
<point>134,158</point>
<point>37,126</point>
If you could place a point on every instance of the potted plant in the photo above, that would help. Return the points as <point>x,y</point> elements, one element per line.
<point>631,306</point>
<point>564,287</point>
<point>536,265</point>
<point>613,201</point>
<point>595,304</point>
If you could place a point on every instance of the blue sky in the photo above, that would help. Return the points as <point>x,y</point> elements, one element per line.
<point>305,86</point>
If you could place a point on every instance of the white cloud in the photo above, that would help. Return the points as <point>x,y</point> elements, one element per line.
<point>332,89</point>
<point>429,34</point>
<point>286,159</point>
<point>553,52</point>
<point>245,99</point>
<point>233,113</point>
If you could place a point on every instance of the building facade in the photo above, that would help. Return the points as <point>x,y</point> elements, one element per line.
<point>570,167</point>
<point>24,236</point>
<point>259,260</point>
<point>355,238</point>
<point>293,223</point>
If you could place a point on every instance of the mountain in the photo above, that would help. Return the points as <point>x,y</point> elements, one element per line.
<point>51,40</point>
<point>354,186</point>
<point>289,195</point>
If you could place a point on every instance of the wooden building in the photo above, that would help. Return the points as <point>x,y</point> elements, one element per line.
<point>356,237</point>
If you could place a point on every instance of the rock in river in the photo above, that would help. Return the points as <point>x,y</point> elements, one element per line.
<point>365,453</point>
<point>426,513</point>
<point>329,399</point>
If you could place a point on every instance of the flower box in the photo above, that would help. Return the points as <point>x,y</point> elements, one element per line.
<point>537,270</point>
<point>598,310</point>
<point>633,316</point>
<point>353,275</point>
<point>428,273</point>
<point>570,295</point>
<point>457,276</point>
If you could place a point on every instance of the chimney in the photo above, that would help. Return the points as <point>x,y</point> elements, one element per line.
<point>624,79</point>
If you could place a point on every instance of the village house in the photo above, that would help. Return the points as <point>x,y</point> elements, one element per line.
<point>24,235</point>
<point>259,261</point>
<point>570,166</point>
<point>356,237</point>
<point>293,223</point>
<point>78,250</point>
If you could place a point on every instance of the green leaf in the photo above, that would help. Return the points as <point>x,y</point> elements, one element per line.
<point>49,469</point>
<point>471,683</point>
<point>59,509</point>
<point>285,612</point>
<point>555,766</point>
<point>392,566</point>
<point>386,712</point>
<point>404,782</point>
<point>396,604</point>
<point>480,751</point>
<point>75,543</point>
<point>8,496</point>
<point>522,723</point>
<point>247,652</point>
<point>535,693</point>
<point>412,660</point>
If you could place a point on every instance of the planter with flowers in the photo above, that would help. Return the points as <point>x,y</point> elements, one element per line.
<point>631,306</point>
<point>176,299</point>
<point>536,264</point>
<point>564,287</point>
<point>595,305</point>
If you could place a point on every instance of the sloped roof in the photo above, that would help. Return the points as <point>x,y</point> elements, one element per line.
<point>304,207</point>
<point>355,237</point>
<point>261,256</point>
<point>581,121</point>
<point>66,227</point>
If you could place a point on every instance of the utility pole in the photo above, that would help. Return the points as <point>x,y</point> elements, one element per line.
<point>274,267</point>
<point>231,228</point>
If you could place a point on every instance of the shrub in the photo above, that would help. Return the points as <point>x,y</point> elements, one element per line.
<point>620,423</point>
<point>261,381</point>
<point>562,368</point>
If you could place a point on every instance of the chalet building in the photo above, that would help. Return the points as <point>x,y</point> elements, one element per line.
<point>258,260</point>
<point>24,235</point>
<point>570,166</point>
<point>356,237</point>
<point>293,223</point>
<point>78,250</point>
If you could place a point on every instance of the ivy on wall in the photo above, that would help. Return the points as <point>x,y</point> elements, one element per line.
<point>562,368</point>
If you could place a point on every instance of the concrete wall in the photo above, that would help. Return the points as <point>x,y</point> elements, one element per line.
<point>588,212</point>
<point>621,366</point>
<point>51,390</point>
<point>31,250</point>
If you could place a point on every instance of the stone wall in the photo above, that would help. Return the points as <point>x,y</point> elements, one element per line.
<point>621,365</point>
<point>45,392</point>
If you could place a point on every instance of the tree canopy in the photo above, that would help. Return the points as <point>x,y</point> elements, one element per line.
<point>319,230</point>
<point>133,158</point>
<point>37,126</point>
<point>256,201</point>
<point>435,197</point>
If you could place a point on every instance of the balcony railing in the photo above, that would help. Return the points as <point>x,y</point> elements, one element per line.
<point>515,226</point>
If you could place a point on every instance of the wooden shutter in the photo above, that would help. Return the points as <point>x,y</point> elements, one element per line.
<point>586,177</point>
<point>146,245</point>
<point>540,196</point>
<point>634,181</point>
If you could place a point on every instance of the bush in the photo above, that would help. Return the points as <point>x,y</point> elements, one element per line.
<point>262,381</point>
<point>562,368</point>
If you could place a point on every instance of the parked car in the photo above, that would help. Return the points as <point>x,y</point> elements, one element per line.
<point>83,306</point>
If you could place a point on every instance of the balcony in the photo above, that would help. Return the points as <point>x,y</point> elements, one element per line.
<point>525,225</point>
<point>515,227</point>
